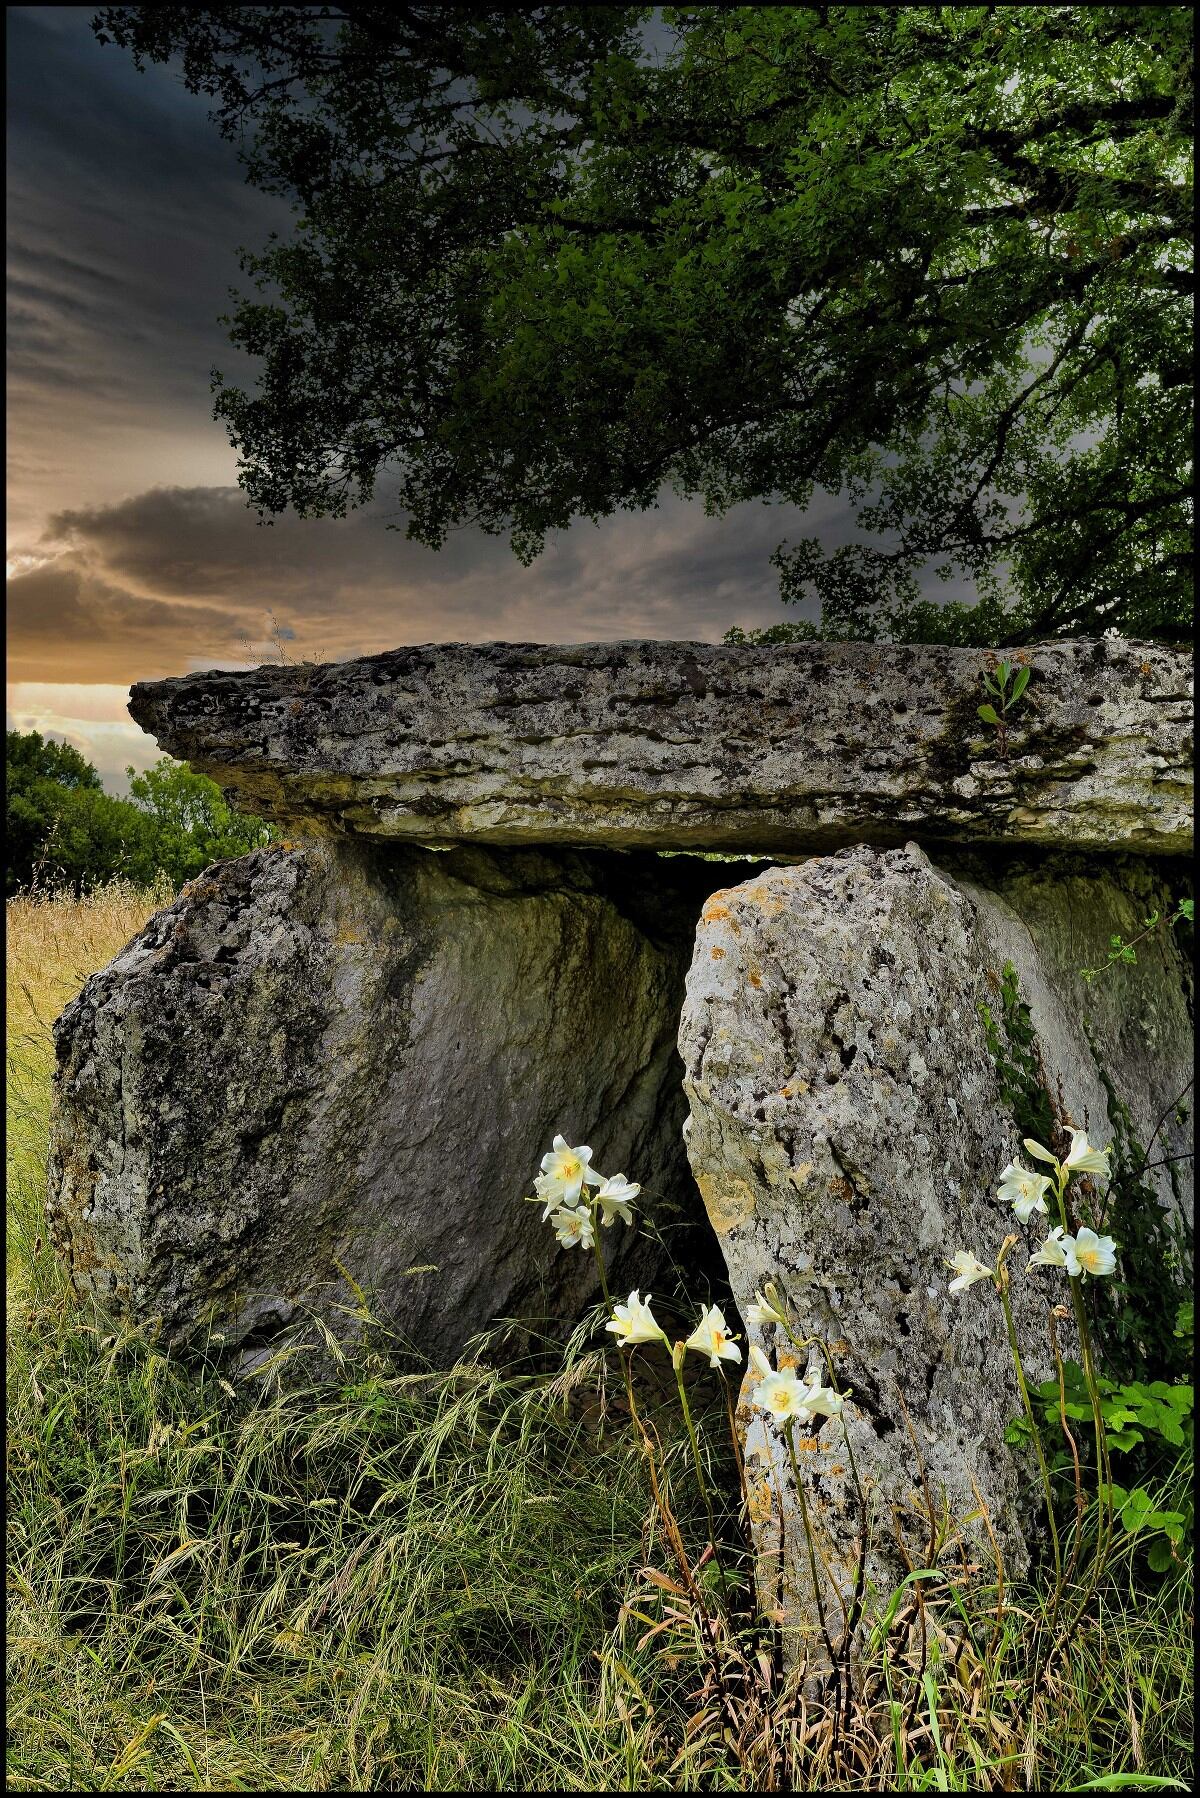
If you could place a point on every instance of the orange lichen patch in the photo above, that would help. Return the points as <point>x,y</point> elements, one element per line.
<point>792,1088</point>
<point>841,1188</point>
<point>718,954</point>
<point>762,896</point>
<point>759,1501</point>
<point>808,1443</point>
<point>785,1358</point>
<point>715,909</point>
<point>754,977</point>
<point>729,1204</point>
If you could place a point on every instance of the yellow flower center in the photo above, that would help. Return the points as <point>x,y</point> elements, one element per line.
<point>1090,1258</point>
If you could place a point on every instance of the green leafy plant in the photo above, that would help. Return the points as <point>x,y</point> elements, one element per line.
<point>1148,1421</point>
<point>1006,686</point>
<point>1121,951</point>
<point>1137,1316</point>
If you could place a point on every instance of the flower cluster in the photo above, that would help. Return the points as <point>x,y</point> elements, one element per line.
<point>1081,1254</point>
<point>576,1196</point>
<point>574,1192</point>
<point>635,1322</point>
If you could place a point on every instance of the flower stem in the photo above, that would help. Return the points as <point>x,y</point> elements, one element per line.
<point>1037,1439</point>
<point>789,1429</point>
<point>1103,1468</point>
<point>700,1479</point>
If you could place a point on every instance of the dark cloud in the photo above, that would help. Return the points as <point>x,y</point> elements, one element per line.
<point>66,620</point>
<point>176,577</point>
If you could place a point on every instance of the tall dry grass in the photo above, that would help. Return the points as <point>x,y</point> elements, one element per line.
<point>53,941</point>
<point>396,1579</point>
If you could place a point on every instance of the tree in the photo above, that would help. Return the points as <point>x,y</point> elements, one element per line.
<point>193,825</point>
<point>63,829</point>
<point>935,258</point>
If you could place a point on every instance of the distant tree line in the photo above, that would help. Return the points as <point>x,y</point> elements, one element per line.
<point>64,830</point>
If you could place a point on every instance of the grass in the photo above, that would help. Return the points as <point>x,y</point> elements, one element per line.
<point>404,1579</point>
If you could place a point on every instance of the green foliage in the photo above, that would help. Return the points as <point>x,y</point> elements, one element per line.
<point>1147,1421</point>
<point>545,262</point>
<point>1121,951</point>
<point>63,829</point>
<point>1012,1044</point>
<point>1006,696</point>
<point>192,823</point>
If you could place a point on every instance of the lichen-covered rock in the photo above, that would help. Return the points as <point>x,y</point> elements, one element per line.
<point>328,1061</point>
<point>770,749</point>
<point>846,1129</point>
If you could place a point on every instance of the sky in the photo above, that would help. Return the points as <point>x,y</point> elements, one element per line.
<point>131,551</point>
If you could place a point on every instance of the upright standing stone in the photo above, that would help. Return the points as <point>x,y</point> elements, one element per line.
<point>332,1064</point>
<point>846,1130</point>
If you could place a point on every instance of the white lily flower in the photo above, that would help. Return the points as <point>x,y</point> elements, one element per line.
<point>784,1396</point>
<point>1034,1148</point>
<point>1082,1158</point>
<point>711,1337</point>
<point>762,1311</point>
<point>759,1362</point>
<point>967,1270</point>
<point>824,1399</point>
<point>1095,1255</point>
<point>565,1171</point>
<point>1053,1252</point>
<point>1024,1190</point>
<point>545,1188</point>
<point>573,1227</point>
<point>634,1322</point>
<point>614,1197</point>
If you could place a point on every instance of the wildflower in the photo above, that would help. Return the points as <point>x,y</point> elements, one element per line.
<point>784,1396</point>
<point>823,1399</point>
<point>1024,1190</point>
<point>565,1171</point>
<point>634,1322</point>
<point>764,1311</point>
<point>967,1270</point>
<point>614,1197</point>
<point>1082,1158</point>
<point>573,1227</point>
<point>1092,1254</point>
<point>1035,1148</point>
<point>711,1337</point>
<point>1053,1252</point>
<point>545,1188</point>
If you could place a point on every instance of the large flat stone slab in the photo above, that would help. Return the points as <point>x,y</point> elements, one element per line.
<point>338,1061</point>
<point>765,749</point>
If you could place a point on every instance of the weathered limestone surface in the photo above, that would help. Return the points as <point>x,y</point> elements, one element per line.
<point>846,1131</point>
<point>332,1055</point>
<point>772,749</point>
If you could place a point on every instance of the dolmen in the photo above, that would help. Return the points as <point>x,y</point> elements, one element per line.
<point>791,935</point>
